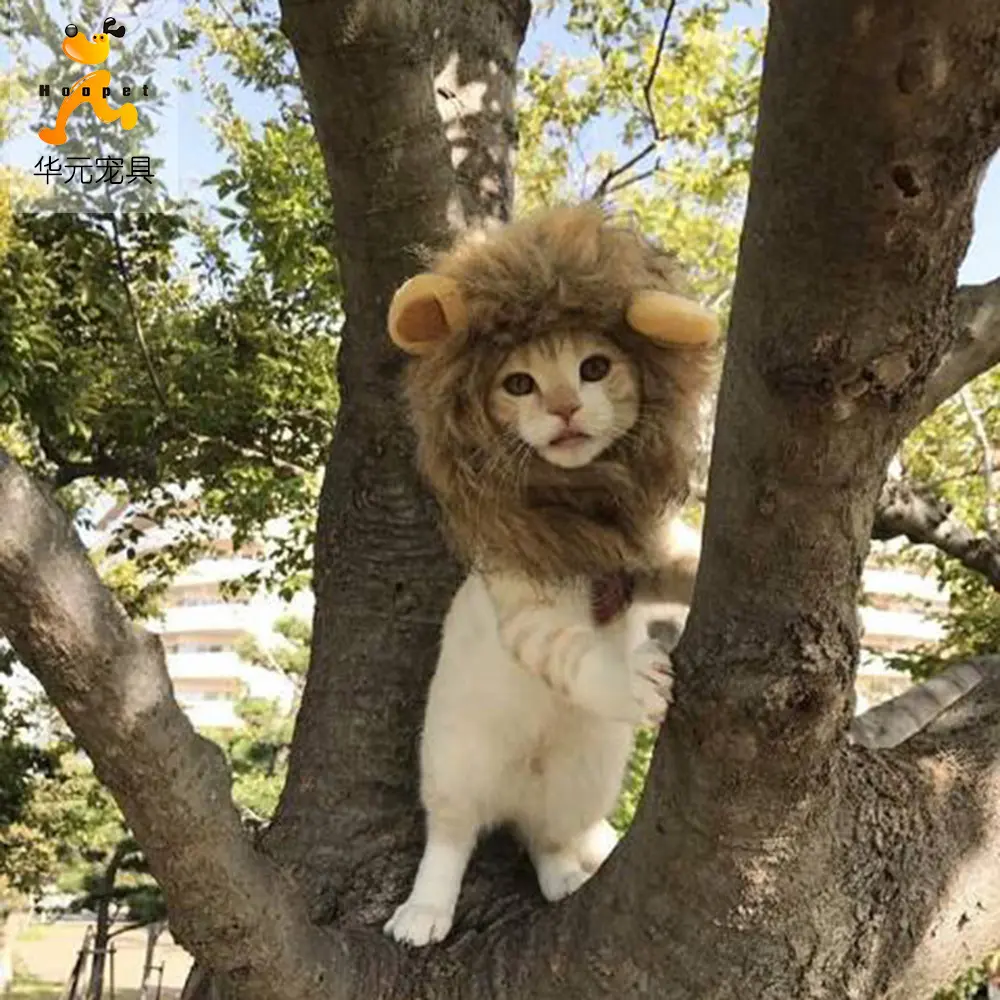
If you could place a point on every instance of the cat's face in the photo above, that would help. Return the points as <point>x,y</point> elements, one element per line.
<point>567,397</point>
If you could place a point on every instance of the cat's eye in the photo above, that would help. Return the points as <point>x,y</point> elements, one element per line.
<point>519,384</point>
<point>594,368</point>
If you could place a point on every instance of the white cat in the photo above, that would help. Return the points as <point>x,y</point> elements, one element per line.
<point>532,708</point>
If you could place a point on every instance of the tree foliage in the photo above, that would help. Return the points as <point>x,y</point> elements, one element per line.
<point>682,113</point>
<point>67,822</point>
<point>953,454</point>
<point>258,750</point>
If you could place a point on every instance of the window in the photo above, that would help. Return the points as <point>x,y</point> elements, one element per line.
<point>192,646</point>
<point>195,599</point>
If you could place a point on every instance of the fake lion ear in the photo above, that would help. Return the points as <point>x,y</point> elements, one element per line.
<point>671,319</point>
<point>425,311</point>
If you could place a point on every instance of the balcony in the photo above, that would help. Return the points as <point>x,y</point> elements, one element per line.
<point>219,714</point>
<point>232,619</point>
<point>256,681</point>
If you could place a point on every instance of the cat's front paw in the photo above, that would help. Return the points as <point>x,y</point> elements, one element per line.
<point>633,690</point>
<point>419,924</point>
<point>649,667</point>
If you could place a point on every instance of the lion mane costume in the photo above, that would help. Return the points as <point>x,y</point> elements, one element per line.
<point>560,271</point>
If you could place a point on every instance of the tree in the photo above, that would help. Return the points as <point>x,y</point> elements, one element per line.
<point>768,857</point>
<point>226,391</point>
<point>106,896</point>
<point>22,765</point>
<point>136,351</point>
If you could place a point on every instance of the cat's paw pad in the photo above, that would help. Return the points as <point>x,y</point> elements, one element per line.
<point>652,681</point>
<point>559,876</point>
<point>419,924</point>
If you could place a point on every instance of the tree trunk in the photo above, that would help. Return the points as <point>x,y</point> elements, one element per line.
<point>99,954</point>
<point>104,894</point>
<point>878,220</point>
<point>770,858</point>
<point>392,139</point>
<point>153,932</point>
<point>12,921</point>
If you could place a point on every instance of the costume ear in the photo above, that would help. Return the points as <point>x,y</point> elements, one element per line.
<point>425,311</point>
<point>671,319</point>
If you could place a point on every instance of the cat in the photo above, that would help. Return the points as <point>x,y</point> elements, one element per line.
<point>555,389</point>
<point>531,712</point>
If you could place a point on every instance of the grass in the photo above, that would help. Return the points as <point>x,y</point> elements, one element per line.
<point>52,991</point>
<point>33,989</point>
<point>34,932</point>
<point>44,955</point>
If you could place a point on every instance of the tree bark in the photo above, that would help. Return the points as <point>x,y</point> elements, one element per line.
<point>110,683</point>
<point>418,142</point>
<point>769,857</point>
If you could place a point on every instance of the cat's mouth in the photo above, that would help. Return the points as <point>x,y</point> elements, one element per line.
<point>568,438</point>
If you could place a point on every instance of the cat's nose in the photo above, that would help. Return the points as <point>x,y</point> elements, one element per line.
<point>564,408</point>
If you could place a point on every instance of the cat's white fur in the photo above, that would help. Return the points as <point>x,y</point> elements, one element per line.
<point>532,708</point>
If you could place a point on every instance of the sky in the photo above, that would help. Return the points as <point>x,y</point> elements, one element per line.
<point>188,146</point>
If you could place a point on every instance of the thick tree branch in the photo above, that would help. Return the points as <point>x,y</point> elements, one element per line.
<point>896,720</point>
<point>916,515</point>
<point>418,144</point>
<point>957,786</point>
<point>976,348</point>
<point>816,388</point>
<point>228,904</point>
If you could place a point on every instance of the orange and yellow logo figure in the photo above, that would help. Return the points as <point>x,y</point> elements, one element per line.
<point>94,88</point>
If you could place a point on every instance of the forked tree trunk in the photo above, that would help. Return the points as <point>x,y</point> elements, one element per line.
<point>769,859</point>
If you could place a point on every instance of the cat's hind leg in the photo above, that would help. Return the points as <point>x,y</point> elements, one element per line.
<point>560,872</point>
<point>427,915</point>
<point>563,870</point>
<point>595,844</point>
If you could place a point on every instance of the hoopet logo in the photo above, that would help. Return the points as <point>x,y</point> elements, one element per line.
<point>94,88</point>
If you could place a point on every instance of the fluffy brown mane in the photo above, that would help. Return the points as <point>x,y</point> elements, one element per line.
<point>564,270</point>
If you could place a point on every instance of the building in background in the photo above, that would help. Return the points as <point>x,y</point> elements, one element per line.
<point>202,630</point>
<point>898,613</point>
